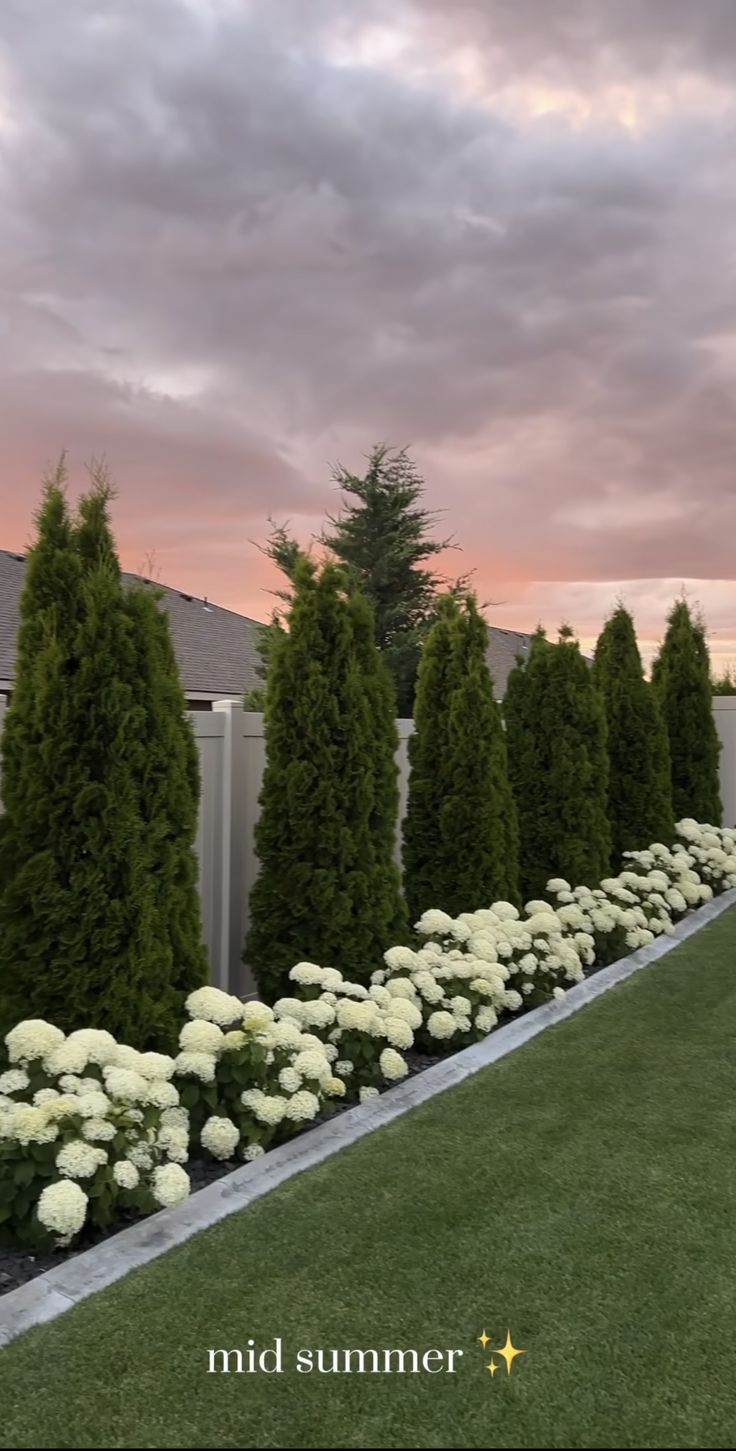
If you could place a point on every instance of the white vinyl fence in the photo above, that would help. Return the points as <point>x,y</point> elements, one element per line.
<point>232,756</point>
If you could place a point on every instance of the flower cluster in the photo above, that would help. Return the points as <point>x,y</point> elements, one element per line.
<point>88,1127</point>
<point>368,1028</point>
<point>250,1075</point>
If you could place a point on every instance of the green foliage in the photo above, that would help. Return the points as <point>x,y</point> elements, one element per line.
<point>326,889</point>
<point>681,678</point>
<point>98,912</point>
<point>726,684</point>
<point>639,787</point>
<point>556,739</point>
<point>460,833</point>
<point>422,858</point>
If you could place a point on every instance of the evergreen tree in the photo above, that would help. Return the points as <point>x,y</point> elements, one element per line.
<point>681,678</point>
<point>81,935</point>
<point>389,908</point>
<point>317,838</point>
<point>639,788</point>
<point>382,538</point>
<point>429,754</point>
<point>478,829</point>
<point>725,684</point>
<point>170,790</point>
<point>556,740</point>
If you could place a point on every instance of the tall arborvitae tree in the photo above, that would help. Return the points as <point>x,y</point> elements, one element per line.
<point>681,678</point>
<point>390,917</point>
<point>382,536</point>
<point>317,838</point>
<point>639,787</point>
<point>422,860</point>
<point>170,790</point>
<point>558,763</point>
<point>477,830</point>
<point>82,936</point>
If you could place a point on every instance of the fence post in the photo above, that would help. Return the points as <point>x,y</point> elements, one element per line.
<point>231,842</point>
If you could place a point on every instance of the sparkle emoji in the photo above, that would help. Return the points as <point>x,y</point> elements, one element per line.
<point>509,1352</point>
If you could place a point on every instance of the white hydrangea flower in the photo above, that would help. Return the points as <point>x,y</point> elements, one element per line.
<point>62,1209</point>
<point>214,1006</point>
<point>93,1104</point>
<point>220,1136</point>
<point>233,1039</point>
<point>66,1057</point>
<point>173,1140</point>
<point>312,1064</point>
<point>367,1093</point>
<point>334,1088</point>
<point>45,1095</point>
<point>400,959</point>
<point>303,1106</point>
<point>402,987</point>
<point>256,1017</point>
<point>558,884</point>
<point>441,1025</point>
<point>125,1084</point>
<point>125,1174</point>
<point>344,1067</point>
<point>162,1093</point>
<point>139,1155</point>
<point>460,1006</point>
<point>392,1065</point>
<point>397,1031</point>
<point>307,974</point>
<point>98,1130</point>
<point>253,1151</point>
<point>558,992</point>
<point>79,1160</point>
<point>196,1065</point>
<point>127,1057</point>
<point>29,1125</point>
<point>428,987</point>
<point>409,1011</point>
<point>512,1000</point>
<point>169,1185</point>
<point>14,1081</point>
<point>434,923</point>
<point>485,1019</point>
<point>318,1014</point>
<point>285,1034</point>
<point>156,1065</point>
<point>33,1038</point>
<point>289,1080</point>
<point>379,995</point>
<point>505,911</point>
<point>98,1045</point>
<point>200,1036</point>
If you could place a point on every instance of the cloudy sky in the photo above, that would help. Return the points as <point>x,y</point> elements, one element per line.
<point>241,240</point>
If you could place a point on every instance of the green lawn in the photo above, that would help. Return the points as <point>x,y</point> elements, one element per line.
<point>582,1194</point>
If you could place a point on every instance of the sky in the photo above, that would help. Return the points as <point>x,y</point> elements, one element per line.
<point>242,242</point>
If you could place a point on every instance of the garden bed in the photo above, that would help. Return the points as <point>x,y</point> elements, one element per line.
<point>20,1266</point>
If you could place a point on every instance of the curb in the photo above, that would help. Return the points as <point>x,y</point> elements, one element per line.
<point>56,1291</point>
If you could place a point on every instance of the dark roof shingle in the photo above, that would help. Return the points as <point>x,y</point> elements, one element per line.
<point>216,648</point>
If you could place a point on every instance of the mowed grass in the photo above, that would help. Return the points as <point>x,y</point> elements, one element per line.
<point>582,1193</point>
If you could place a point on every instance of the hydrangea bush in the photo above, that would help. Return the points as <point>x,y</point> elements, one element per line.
<point>249,1077</point>
<point>369,1029</point>
<point>89,1129</point>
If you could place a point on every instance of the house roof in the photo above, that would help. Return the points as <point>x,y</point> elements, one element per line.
<point>216,648</point>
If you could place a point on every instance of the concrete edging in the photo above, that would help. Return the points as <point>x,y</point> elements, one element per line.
<point>57,1290</point>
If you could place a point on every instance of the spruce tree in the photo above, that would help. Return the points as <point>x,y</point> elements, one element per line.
<point>639,788</point>
<point>681,678</point>
<point>478,829</point>
<point>314,895</point>
<point>82,941</point>
<point>382,537</point>
<point>558,763</point>
<point>429,753</point>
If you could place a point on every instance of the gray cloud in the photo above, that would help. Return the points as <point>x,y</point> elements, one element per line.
<point>309,247</point>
